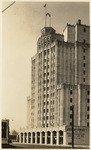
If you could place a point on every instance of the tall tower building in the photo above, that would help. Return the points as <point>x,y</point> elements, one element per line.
<point>60,78</point>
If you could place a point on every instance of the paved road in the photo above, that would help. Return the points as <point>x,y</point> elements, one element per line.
<point>33,146</point>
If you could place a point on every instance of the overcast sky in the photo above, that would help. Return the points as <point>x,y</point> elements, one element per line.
<point>22,24</point>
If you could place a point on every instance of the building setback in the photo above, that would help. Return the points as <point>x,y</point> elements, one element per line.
<point>60,78</point>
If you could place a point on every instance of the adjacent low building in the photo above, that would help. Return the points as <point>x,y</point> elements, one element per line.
<point>60,79</point>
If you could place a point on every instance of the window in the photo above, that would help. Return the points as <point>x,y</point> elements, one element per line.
<point>44,74</point>
<point>88,92</point>
<point>47,117</point>
<point>44,96</point>
<point>43,125</point>
<point>87,116</point>
<point>70,115</point>
<point>48,66</point>
<point>71,100</point>
<point>44,67</point>
<point>44,52</point>
<point>44,81</point>
<point>84,50</point>
<point>84,72</point>
<point>88,108</point>
<point>47,81</point>
<point>47,110</point>
<point>47,95</point>
<point>53,109</point>
<point>47,88</point>
<point>44,118</point>
<point>87,124</point>
<point>70,107</point>
<point>48,51</point>
<point>47,103</point>
<point>84,57</point>
<point>83,64</point>
<point>47,125</point>
<point>44,103</point>
<point>44,110</point>
<point>84,29</point>
<point>70,123</point>
<point>83,79</point>
<point>44,88</point>
<point>48,73</point>
<point>71,92</point>
<point>44,60</point>
<point>84,41</point>
<point>88,100</point>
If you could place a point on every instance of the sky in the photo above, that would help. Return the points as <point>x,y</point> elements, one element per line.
<point>21,28</point>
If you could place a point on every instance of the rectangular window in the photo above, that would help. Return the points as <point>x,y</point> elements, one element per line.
<point>87,124</point>
<point>47,110</point>
<point>44,110</point>
<point>84,57</point>
<point>47,88</point>
<point>88,108</point>
<point>70,123</point>
<point>83,79</point>
<point>47,125</point>
<point>84,41</point>
<point>47,103</point>
<point>87,116</point>
<point>70,115</point>
<point>84,72</point>
<point>71,92</point>
<point>44,52</point>
<point>44,96</point>
<point>47,117</point>
<point>83,64</point>
<point>88,100</point>
<point>48,73</point>
<point>70,107</point>
<point>47,81</point>
<point>44,103</point>
<point>88,92</point>
<point>84,29</point>
<point>84,50</point>
<point>44,74</point>
<point>47,95</point>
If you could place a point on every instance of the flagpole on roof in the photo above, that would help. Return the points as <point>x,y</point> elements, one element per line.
<point>50,20</point>
<point>45,13</point>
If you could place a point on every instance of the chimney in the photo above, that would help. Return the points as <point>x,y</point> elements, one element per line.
<point>79,21</point>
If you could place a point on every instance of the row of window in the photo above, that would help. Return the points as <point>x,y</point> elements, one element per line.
<point>47,117</point>
<point>87,92</point>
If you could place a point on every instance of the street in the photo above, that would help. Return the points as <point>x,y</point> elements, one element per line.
<point>33,146</point>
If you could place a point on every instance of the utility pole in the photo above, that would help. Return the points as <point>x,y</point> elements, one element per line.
<point>72,126</point>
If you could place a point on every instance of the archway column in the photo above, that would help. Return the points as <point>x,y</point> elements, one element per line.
<point>51,138</point>
<point>57,137</point>
<point>27,137</point>
<point>35,137</point>
<point>45,137</point>
<point>20,138</point>
<point>64,138</point>
<point>40,137</point>
<point>23,138</point>
<point>31,137</point>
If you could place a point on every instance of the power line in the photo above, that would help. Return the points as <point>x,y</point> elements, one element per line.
<point>8,6</point>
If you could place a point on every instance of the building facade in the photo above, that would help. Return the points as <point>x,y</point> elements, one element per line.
<point>60,78</point>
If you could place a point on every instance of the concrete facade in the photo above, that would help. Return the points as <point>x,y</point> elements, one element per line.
<point>60,78</point>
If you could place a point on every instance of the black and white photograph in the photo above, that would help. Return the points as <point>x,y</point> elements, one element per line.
<point>45,75</point>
